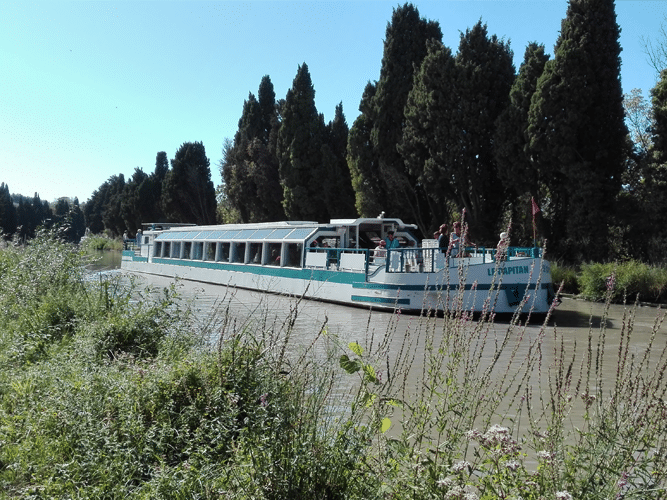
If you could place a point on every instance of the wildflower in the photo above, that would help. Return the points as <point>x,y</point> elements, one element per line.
<point>262,399</point>
<point>460,466</point>
<point>473,434</point>
<point>544,455</point>
<point>446,482</point>
<point>563,495</point>
<point>512,465</point>
<point>623,481</point>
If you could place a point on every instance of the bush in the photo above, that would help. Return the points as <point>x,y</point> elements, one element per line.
<point>626,281</point>
<point>566,275</point>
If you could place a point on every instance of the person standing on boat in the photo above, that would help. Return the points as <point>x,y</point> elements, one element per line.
<point>443,240</point>
<point>458,241</point>
<point>380,252</point>
<point>391,241</point>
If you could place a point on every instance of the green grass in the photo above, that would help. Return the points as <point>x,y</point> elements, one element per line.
<point>111,390</point>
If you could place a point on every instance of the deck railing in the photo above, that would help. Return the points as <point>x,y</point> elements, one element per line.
<point>408,259</point>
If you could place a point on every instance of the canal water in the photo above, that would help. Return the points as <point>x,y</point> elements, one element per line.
<point>556,355</point>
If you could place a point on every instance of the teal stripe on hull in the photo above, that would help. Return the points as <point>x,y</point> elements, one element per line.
<point>380,300</point>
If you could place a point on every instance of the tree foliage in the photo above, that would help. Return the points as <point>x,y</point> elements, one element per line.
<point>249,166</point>
<point>7,212</point>
<point>299,150</point>
<point>577,134</point>
<point>449,137</point>
<point>188,194</point>
<point>376,165</point>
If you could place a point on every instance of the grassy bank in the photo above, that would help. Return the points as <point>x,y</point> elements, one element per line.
<point>99,242</point>
<point>108,390</point>
<point>628,281</point>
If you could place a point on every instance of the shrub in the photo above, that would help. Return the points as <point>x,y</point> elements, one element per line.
<point>567,275</point>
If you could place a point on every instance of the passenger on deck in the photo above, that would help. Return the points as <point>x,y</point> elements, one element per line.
<point>380,252</point>
<point>391,241</point>
<point>443,240</point>
<point>458,241</point>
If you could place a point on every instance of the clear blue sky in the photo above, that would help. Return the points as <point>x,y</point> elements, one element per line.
<point>93,89</point>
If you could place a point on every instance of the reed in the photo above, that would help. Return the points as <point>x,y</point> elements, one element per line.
<point>112,390</point>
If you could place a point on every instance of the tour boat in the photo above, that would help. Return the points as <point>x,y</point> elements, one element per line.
<point>337,262</point>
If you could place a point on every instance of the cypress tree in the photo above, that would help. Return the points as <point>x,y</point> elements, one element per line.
<point>299,150</point>
<point>367,182</point>
<point>450,115</point>
<point>8,218</point>
<point>430,113</point>
<point>377,167</point>
<point>338,196</point>
<point>576,128</point>
<point>188,194</point>
<point>249,166</point>
<point>517,172</point>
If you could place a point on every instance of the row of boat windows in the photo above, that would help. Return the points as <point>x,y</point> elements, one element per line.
<point>265,253</point>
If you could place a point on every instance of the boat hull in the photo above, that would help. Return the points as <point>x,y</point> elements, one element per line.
<point>520,285</point>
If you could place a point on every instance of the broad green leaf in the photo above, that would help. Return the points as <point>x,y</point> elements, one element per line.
<point>356,348</point>
<point>386,423</point>
<point>349,365</point>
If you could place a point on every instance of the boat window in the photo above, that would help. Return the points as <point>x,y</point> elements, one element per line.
<point>187,249</point>
<point>256,253</point>
<point>223,252</point>
<point>198,251</point>
<point>294,255</point>
<point>176,250</point>
<point>274,254</point>
<point>210,251</point>
<point>238,252</point>
<point>158,249</point>
<point>166,249</point>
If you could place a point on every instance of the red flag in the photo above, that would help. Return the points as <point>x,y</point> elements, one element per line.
<point>536,208</point>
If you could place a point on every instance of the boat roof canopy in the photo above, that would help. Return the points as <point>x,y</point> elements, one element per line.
<point>286,230</point>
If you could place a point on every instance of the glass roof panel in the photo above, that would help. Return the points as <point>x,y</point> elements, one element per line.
<point>279,234</point>
<point>300,233</point>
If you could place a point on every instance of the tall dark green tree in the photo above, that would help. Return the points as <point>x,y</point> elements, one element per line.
<point>112,216</point>
<point>431,116</point>
<point>133,202</point>
<point>577,134</point>
<point>299,150</point>
<point>188,194</point>
<point>450,128</point>
<point>338,194</point>
<point>404,49</point>
<point>517,172</point>
<point>249,166</point>
<point>367,181</point>
<point>8,219</point>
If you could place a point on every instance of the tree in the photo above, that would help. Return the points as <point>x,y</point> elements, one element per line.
<point>8,218</point>
<point>517,172</point>
<point>450,119</point>
<point>188,194</point>
<point>249,166</point>
<point>338,194</point>
<point>299,151</point>
<point>577,134</point>
<point>375,163</point>
<point>367,181</point>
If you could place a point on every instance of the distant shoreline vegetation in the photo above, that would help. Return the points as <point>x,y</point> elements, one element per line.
<point>628,281</point>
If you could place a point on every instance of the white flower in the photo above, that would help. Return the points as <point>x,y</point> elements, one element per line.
<point>512,465</point>
<point>460,466</point>
<point>563,495</point>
